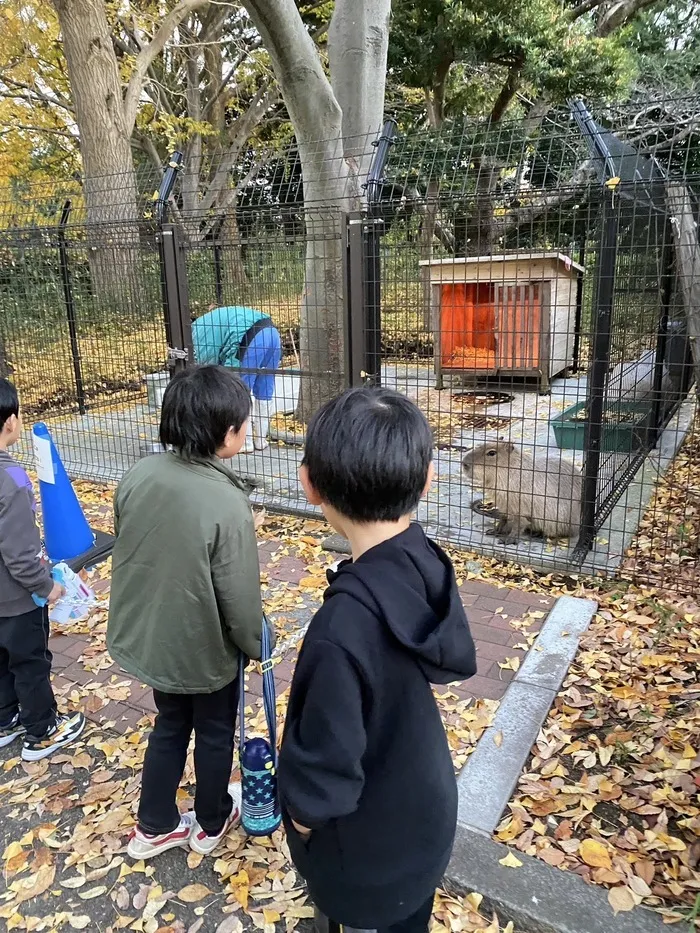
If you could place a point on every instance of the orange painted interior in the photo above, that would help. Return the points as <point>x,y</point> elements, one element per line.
<point>471,312</point>
<point>468,319</point>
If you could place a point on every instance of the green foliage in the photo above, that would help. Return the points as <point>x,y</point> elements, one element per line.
<point>467,51</point>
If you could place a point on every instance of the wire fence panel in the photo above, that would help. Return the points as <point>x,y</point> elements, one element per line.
<point>82,331</point>
<point>533,291</point>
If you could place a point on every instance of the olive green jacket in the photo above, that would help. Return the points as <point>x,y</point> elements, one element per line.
<point>185,593</point>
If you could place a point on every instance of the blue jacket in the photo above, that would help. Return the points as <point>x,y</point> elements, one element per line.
<point>217,336</point>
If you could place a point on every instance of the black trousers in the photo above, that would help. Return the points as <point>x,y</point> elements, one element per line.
<point>25,672</point>
<point>418,922</point>
<point>212,717</point>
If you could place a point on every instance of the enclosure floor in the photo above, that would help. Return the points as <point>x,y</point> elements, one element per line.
<point>102,444</point>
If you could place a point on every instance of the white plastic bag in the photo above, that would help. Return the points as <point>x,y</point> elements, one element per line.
<point>76,602</point>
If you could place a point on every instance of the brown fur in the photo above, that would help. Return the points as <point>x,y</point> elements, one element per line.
<point>541,496</point>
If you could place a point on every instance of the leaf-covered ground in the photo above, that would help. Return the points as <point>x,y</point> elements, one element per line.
<point>64,822</point>
<point>609,793</point>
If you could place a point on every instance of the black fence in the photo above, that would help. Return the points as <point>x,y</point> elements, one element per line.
<point>528,292</point>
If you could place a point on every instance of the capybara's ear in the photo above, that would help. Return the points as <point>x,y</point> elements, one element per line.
<point>511,447</point>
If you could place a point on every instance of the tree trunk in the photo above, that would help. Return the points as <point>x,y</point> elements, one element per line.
<point>685,233</point>
<point>5,365</point>
<point>110,183</point>
<point>358,41</point>
<point>330,123</point>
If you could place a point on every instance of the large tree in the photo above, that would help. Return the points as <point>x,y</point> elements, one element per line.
<point>334,118</point>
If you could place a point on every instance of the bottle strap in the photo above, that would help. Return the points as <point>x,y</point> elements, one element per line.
<point>268,682</point>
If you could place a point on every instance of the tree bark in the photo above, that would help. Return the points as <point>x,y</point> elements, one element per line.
<point>105,147</point>
<point>330,158</point>
<point>106,123</point>
<point>685,233</point>
<point>358,41</point>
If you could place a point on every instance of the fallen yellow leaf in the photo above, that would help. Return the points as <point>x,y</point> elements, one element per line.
<point>621,900</point>
<point>192,893</point>
<point>595,854</point>
<point>510,861</point>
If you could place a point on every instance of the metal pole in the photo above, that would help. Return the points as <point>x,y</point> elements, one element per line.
<point>166,186</point>
<point>578,321</point>
<point>658,410</point>
<point>355,345</point>
<point>602,316</point>
<point>178,324</point>
<point>218,267</point>
<point>70,308</point>
<point>373,229</point>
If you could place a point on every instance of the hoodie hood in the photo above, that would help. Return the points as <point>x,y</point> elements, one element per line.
<point>409,584</point>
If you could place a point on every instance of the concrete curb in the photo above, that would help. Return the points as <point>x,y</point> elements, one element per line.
<point>489,777</point>
<point>537,897</point>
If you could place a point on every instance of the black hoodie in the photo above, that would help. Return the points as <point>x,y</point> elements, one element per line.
<point>365,761</point>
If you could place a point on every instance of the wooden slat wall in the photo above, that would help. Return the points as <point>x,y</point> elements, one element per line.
<point>518,326</point>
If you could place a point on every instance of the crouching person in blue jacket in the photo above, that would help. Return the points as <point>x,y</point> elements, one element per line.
<point>245,339</point>
<point>366,780</point>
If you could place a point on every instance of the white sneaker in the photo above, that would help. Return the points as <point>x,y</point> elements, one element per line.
<point>204,844</point>
<point>143,845</point>
<point>248,445</point>
<point>65,730</point>
<point>262,412</point>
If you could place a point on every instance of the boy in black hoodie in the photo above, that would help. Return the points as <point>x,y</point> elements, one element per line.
<point>368,788</point>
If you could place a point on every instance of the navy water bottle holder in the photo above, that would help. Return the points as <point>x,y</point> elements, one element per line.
<point>260,810</point>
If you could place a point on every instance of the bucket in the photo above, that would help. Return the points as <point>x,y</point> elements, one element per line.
<point>156,384</point>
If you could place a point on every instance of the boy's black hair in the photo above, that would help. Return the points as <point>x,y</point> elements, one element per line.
<point>368,453</point>
<point>199,406</point>
<point>9,401</point>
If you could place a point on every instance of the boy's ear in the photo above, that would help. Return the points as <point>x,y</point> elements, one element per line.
<point>309,491</point>
<point>429,480</point>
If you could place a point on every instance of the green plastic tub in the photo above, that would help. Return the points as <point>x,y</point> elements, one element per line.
<point>625,425</point>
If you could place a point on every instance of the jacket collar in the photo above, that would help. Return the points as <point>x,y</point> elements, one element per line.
<point>212,463</point>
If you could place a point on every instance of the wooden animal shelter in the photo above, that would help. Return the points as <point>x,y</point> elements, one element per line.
<point>503,315</point>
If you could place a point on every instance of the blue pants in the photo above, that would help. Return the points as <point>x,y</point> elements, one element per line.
<point>263,352</point>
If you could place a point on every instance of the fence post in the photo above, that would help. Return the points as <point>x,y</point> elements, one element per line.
<point>70,308</point>
<point>218,268</point>
<point>373,229</point>
<point>176,305</point>
<point>602,316</point>
<point>578,320</point>
<point>659,408</point>
<point>355,346</point>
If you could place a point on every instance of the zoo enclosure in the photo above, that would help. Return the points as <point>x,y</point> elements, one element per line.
<point>81,338</point>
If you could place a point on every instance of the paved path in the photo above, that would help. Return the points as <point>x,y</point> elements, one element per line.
<point>497,616</point>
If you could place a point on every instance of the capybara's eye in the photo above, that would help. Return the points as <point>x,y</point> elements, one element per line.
<point>491,453</point>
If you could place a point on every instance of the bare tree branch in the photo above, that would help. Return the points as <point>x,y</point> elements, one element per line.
<point>229,74</point>
<point>245,124</point>
<point>53,100</point>
<point>578,11</point>
<point>149,53</point>
<point>618,14</point>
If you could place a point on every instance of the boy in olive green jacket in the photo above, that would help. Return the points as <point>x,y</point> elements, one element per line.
<point>185,601</point>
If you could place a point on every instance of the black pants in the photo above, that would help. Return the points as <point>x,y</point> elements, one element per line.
<point>25,672</point>
<point>212,716</point>
<point>418,922</point>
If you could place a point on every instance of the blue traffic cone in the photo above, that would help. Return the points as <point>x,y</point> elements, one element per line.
<point>66,531</point>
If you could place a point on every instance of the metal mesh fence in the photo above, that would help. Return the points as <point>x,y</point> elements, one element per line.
<point>535,308</point>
